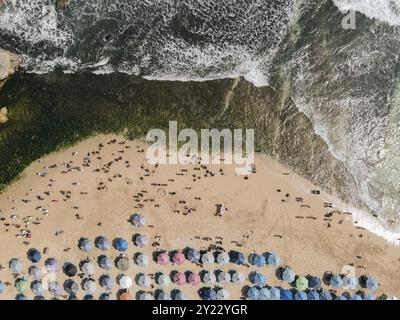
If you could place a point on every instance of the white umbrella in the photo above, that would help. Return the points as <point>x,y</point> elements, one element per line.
<point>237,277</point>
<point>138,220</point>
<point>144,281</point>
<point>89,285</point>
<point>125,282</point>
<point>209,278</point>
<point>223,258</point>
<point>141,240</point>
<point>142,260</point>
<point>207,258</point>
<point>146,296</point>
<point>224,277</point>
<point>34,273</point>
<point>88,268</point>
<point>223,294</point>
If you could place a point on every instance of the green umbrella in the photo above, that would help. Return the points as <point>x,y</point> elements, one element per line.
<point>301,283</point>
<point>21,285</point>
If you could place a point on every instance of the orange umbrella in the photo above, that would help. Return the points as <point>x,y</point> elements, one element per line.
<point>125,296</point>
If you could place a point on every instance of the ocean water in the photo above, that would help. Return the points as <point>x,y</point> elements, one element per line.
<point>345,81</point>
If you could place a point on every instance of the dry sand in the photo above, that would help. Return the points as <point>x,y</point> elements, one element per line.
<point>99,197</point>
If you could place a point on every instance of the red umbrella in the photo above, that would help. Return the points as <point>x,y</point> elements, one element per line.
<point>163,258</point>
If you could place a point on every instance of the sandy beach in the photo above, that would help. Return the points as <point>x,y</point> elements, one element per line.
<point>93,188</point>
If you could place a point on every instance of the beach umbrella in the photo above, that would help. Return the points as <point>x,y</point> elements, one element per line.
<point>341,297</point>
<point>141,240</point>
<point>237,277</point>
<point>2,287</point>
<point>34,272</point>
<point>122,264</point>
<point>105,262</point>
<point>207,258</point>
<point>85,244</point>
<point>336,282</point>
<point>88,268</point>
<point>55,288</point>
<point>223,277</point>
<point>72,297</point>
<point>179,295</point>
<point>39,298</point>
<point>125,296</point>
<point>102,243</point>
<point>89,285</point>
<point>37,287</point>
<point>145,296</point>
<point>325,295</point>
<point>193,279</point>
<point>162,295</point>
<point>288,275</point>
<point>15,265</point>
<point>125,282</point>
<point>179,278</point>
<point>163,258</point>
<point>106,282</point>
<point>369,296</point>
<point>21,285</point>
<point>223,258</point>
<point>137,220</point>
<point>314,283</point>
<point>350,282</point>
<point>258,260</point>
<point>51,265</point>
<point>300,295</point>
<point>34,255</point>
<point>193,255</point>
<point>275,293</point>
<point>301,283</point>
<point>105,296</point>
<point>178,258</point>
<point>223,294</point>
<point>87,297</point>
<point>356,296</point>
<point>264,294</point>
<point>69,269</point>
<point>142,260</point>
<point>273,259</point>
<point>163,280</point>
<point>20,296</point>
<point>258,279</point>
<point>286,294</point>
<point>253,293</point>
<point>121,244</point>
<point>371,284</point>
<point>209,278</point>
<point>209,294</point>
<point>144,281</point>
<point>236,257</point>
<point>312,295</point>
<point>71,287</point>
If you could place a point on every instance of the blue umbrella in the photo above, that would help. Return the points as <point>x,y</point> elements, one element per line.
<point>264,294</point>
<point>193,255</point>
<point>275,294</point>
<point>253,293</point>
<point>356,296</point>
<point>51,265</point>
<point>313,295</point>
<point>236,257</point>
<point>39,298</point>
<point>120,244</point>
<point>336,282</point>
<point>37,287</point>
<point>258,279</point>
<point>288,275</point>
<point>137,220</point>
<point>325,295</point>
<point>34,255</point>
<point>286,294</point>
<point>209,294</point>
<point>105,296</point>
<point>20,296</point>
<point>88,297</point>
<point>300,295</point>
<point>105,262</point>
<point>314,283</point>
<point>273,259</point>
<point>258,260</point>
<point>102,243</point>
<point>341,297</point>
<point>369,296</point>
<point>372,284</point>
<point>2,287</point>
<point>85,244</point>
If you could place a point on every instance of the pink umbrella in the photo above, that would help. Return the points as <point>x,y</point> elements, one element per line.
<point>178,258</point>
<point>193,279</point>
<point>179,278</point>
<point>163,258</point>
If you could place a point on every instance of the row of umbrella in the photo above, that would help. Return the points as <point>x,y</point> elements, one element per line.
<point>120,244</point>
<point>275,293</point>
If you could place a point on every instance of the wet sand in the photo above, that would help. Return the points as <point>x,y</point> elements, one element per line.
<point>92,189</point>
